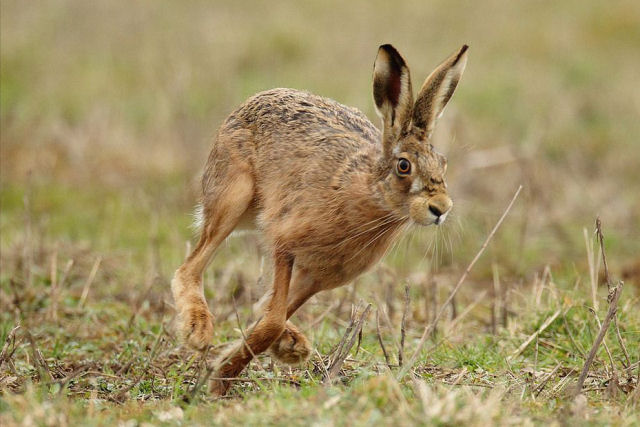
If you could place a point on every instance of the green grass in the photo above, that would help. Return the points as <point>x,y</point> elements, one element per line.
<point>106,115</point>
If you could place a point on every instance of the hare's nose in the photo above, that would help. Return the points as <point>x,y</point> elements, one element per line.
<point>435,210</point>
<point>439,207</point>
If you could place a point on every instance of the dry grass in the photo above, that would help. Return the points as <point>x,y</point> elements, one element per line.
<point>106,110</point>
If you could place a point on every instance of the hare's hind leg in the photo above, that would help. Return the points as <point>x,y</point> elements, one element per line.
<point>292,347</point>
<point>222,210</point>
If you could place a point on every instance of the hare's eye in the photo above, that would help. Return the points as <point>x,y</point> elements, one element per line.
<point>403,167</point>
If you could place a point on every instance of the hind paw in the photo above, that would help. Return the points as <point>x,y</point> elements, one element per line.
<point>292,347</point>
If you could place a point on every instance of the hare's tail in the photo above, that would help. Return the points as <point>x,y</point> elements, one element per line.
<point>198,218</point>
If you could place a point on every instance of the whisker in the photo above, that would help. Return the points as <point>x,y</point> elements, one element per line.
<point>448,236</point>
<point>437,251</point>
<point>396,243</point>
<point>426,252</point>
<point>385,220</point>
<point>376,237</point>
<point>382,218</point>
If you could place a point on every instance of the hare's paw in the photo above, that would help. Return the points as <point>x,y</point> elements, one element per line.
<point>292,347</point>
<point>195,324</point>
<point>218,388</point>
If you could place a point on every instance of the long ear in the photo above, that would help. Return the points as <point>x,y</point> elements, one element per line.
<point>392,94</point>
<point>436,92</point>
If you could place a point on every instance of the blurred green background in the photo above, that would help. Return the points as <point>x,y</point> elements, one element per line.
<point>108,106</point>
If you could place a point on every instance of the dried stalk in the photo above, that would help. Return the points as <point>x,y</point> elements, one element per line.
<point>536,334</point>
<point>570,333</point>
<point>56,287</point>
<point>385,317</point>
<point>38,360</point>
<point>347,342</point>
<point>384,350</point>
<point>544,382</point>
<point>403,324</point>
<point>207,375</point>
<point>613,307</point>
<point>593,269</point>
<point>604,344</point>
<point>478,299</point>
<point>244,337</point>
<point>11,338</point>
<point>89,282</point>
<point>495,303</point>
<point>608,279</point>
<point>321,317</point>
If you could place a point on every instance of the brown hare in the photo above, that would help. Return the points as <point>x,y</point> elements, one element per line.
<point>327,190</point>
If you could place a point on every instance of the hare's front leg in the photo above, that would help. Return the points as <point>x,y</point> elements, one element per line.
<point>223,208</point>
<point>194,321</point>
<point>265,332</point>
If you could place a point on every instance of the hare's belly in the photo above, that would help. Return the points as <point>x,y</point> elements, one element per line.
<point>341,265</point>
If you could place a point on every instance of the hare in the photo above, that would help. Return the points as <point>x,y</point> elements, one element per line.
<point>327,190</point>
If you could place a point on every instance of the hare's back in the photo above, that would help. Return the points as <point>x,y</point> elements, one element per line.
<point>288,123</point>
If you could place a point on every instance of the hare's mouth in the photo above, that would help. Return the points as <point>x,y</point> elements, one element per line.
<point>438,220</point>
<point>430,219</point>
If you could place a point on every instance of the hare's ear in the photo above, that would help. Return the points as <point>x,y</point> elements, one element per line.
<point>392,94</point>
<point>436,92</point>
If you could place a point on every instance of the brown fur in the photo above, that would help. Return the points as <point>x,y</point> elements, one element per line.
<point>320,182</point>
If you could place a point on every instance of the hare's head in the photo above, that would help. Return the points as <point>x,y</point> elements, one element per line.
<point>411,170</point>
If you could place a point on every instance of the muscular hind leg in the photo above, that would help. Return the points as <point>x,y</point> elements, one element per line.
<point>222,211</point>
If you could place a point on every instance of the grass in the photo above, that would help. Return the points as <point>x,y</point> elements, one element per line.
<point>116,359</point>
<point>106,112</point>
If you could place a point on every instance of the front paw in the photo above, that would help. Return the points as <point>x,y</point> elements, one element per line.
<point>195,325</point>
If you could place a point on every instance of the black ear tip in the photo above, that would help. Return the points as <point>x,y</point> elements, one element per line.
<point>462,51</point>
<point>394,56</point>
<point>389,49</point>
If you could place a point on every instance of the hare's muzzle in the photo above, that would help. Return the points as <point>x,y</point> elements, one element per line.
<point>430,210</point>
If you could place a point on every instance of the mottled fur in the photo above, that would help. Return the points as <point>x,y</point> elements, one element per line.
<point>322,185</point>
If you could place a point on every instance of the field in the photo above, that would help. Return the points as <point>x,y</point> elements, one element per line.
<point>107,111</point>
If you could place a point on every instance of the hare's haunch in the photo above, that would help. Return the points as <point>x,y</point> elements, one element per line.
<point>328,191</point>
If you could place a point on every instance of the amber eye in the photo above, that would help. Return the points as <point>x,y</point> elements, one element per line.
<point>403,167</point>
